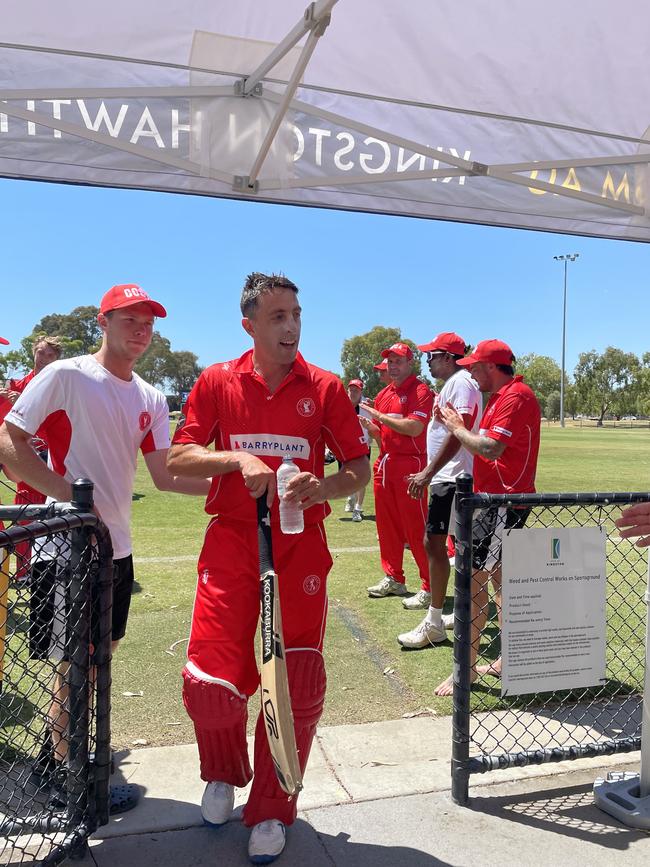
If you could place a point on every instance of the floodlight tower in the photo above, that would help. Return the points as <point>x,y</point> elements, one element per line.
<point>566,258</point>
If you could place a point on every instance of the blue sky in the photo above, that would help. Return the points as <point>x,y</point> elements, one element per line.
<point>63,246</point>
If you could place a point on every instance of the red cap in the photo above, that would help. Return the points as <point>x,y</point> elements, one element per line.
<point>448,341</point>
<point>127,294</point>
<point>495,351</point>
<point>383,365</point>
<point>398,349</point>
<point>356,383</point>
<point>4,342</point>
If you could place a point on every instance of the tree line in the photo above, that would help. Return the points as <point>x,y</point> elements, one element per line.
<point>612,383</point>
<point>175,372</point>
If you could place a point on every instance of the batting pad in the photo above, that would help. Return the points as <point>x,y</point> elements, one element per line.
<point>219,715</point>
<point>307,684</point>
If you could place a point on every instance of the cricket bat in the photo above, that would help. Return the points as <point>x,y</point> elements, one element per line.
<point>276,702</point>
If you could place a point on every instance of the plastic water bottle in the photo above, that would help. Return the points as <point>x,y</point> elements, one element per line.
<point>292,519</point>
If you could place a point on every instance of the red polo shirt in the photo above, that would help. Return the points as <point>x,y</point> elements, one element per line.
<point>20,385</point>
<point>411,399</point>
<point>231,406</point>
<point>511,416</point>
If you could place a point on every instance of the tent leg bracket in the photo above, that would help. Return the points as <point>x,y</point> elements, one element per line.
<point>243,184</point>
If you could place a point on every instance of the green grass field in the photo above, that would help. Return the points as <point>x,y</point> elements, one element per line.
<point>370,677</point>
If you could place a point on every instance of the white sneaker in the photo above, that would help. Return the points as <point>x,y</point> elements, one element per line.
<point>357,516</point>
<point>448,620</point>
<point>349,504</point>
<point>422,636</point>
<point>422,599</point>
<point>217,803</point>
<point>266,841</point>
<point>387,587</point>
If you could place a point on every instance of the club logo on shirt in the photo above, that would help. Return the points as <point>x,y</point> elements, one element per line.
<point>311,585</point>
<point>306,407</point>
<point>403,398</point>
<point>145,420</point>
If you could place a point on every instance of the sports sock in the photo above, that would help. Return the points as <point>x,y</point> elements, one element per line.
<point>434,616</point>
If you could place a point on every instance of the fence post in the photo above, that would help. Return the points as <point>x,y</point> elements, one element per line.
<point>79,660</point>
<point>102,662</point>
<point>462,640</point>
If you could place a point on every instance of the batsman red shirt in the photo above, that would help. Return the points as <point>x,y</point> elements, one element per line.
<point>512,416</point>
<point>231,406</point>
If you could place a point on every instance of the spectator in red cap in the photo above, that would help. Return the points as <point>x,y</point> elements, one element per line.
<point>505,462</point>
<point>447,460</point>
<point>96,414</point>
<point>399,417</point>
<point>382,367</point>
<point>354,502</point>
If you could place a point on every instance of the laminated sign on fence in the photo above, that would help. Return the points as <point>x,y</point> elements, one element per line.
<point>553,634</point>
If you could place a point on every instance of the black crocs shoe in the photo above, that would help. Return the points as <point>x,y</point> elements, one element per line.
<point>123,797</point>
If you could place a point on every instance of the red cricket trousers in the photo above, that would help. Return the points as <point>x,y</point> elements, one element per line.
<point>400,518</point>
<point>223,637</point>
<point>25,495</point>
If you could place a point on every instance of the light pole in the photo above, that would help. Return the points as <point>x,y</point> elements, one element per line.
<point>566,258</point>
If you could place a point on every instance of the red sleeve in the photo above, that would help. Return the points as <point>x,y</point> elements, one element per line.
<point>421,404</point>
<point>508,418</point>
<point>200,417</point>
<point>5,406</point>
<point>342,432</point>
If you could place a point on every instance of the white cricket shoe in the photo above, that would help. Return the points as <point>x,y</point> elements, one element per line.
<point>266,841</point>
<point>349,504</point>
<point>422,636</point>
<point>387,587</point>
<point>448,620</point>
<point>217,803</point>
<point>357,515</point>
<point>422,599</point>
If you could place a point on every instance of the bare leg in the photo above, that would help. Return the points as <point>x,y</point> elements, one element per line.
<point>494,668</point>
<point>360,497</point>
<point>58,716</point>
<point>479,617</point>
<point>439,570</point>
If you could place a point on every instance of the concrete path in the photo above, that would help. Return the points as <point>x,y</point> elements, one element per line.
<point>378,795</point>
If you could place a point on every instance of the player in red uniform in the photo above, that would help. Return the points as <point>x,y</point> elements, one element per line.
<point>505,462</point>
<point>254,410</point>
<point>400,416</point>
<point>45,351</point>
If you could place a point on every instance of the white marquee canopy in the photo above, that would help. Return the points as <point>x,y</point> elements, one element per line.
<point>501,112</point>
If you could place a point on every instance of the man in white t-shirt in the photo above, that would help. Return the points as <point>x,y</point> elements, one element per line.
<point>96,415</point>
<point>447,460</point>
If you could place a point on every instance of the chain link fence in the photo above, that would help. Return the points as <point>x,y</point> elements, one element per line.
<point>55,640</point>
<point>493,730</point>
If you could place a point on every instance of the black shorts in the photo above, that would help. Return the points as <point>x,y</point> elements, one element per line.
<point>487,533</point>
<point>441,501</point>
<point>49,599</point>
